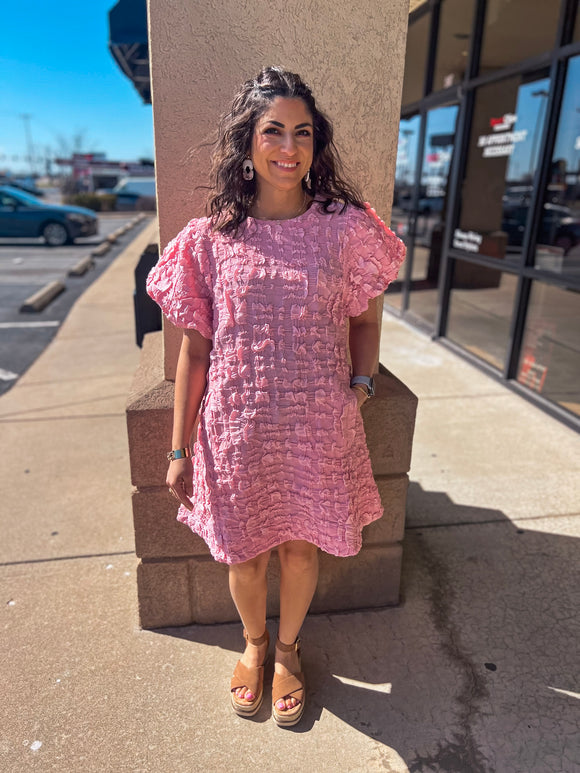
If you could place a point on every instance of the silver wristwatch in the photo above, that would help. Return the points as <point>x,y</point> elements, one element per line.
<point>366,381</point>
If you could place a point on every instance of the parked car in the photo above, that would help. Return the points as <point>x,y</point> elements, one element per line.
<point>25,184</point>
<point>558,226</point>
<point>426,205</point>
<point>24,215</point>
<point>135,193</point>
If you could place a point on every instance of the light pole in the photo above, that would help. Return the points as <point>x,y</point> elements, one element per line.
<point>27,131</point>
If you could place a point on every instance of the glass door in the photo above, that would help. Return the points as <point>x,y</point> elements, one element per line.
<point>403,215</point>
<point>431,212</point>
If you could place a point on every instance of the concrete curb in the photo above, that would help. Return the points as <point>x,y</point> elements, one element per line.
<point>82,266</point>
<point>43,297</point>
<point>101,250</point>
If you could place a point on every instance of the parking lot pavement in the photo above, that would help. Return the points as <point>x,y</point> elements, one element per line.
<point>27,265</point>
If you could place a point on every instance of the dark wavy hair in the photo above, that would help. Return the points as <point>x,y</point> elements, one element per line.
<point>230,196</point>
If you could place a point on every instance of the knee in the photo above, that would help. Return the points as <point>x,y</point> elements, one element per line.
<point>298,557</point>
<point>250,571</point>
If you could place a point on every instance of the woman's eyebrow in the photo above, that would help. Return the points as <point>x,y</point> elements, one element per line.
<point>298,126</point>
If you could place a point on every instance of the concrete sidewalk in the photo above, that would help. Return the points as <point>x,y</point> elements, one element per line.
<point>475,671</point>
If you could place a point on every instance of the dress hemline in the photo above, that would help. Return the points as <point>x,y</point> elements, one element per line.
<point>339,551</point>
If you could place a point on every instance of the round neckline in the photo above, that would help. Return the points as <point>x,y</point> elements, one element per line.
<point>286,219</point>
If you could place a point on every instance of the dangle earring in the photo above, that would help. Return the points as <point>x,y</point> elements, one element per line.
<point>307,180</point>
<point>248,169</point>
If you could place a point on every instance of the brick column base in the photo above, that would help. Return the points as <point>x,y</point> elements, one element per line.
<point>178,581</point>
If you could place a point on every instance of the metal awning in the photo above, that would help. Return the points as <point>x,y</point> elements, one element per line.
<point>128,43</point>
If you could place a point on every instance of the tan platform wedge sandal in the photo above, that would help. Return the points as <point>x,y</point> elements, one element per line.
<point>250,678</point>
<point>292,686</point>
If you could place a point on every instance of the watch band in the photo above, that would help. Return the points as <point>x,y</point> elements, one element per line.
<point>178,453</point>
<point>368,382</point>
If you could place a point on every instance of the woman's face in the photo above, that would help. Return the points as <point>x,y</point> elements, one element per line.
<point>282,145</point>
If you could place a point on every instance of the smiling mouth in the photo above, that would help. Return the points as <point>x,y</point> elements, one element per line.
<point>286,164</point>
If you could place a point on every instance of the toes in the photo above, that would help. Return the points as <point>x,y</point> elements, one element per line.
<point>286,704</point>
<point>242,693</point>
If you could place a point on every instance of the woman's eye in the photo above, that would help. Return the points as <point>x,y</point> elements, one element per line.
<point>304,133</point>
<point>271,130</point>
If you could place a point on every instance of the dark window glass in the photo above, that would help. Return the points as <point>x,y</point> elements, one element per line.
<point>503,154</point>
<point>416,59</point>
<point>516,30</point>
<point>7,201</point>
<point>558,240</point>
<point>550,359</point>
<point>405,170</point>
<point>576,33</point>
<point>480,310</point>
<point>453,43</point>
<point>431,211</point>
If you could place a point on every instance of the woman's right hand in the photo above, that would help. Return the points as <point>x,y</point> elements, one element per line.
<point>180,481</point>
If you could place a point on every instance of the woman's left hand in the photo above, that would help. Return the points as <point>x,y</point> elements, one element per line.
<point>360,396</point>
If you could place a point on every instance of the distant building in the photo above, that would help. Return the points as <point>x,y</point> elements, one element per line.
<point>93,171</point>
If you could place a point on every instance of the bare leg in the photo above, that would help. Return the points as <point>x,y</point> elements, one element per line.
<point>298,579</point>
<point>248,588</point>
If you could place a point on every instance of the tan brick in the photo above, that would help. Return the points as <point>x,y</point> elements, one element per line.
<point>149,418</point>
<point>389,422</point>
<point>163,594</point>
<point>157,532</point>
<point>391,527</point>
<point>211,600</point>
<point>369,579</point>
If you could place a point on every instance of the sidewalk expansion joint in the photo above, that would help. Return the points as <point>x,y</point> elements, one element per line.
<point>66,558</point>
<point>504,521</point>
<point>7,419</point>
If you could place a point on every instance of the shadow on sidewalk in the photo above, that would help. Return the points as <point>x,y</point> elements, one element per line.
<point>474,671</point>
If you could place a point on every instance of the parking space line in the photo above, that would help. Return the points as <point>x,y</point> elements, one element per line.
<point>10,325</point>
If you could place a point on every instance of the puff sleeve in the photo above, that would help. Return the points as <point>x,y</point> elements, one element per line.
<point>372,256</point>
<point>180,282</point>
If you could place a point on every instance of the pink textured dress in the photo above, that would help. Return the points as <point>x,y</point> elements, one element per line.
<point>280,452</point>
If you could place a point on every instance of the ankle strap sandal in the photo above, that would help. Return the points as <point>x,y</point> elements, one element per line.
<point>250,678</point>
<point>292,686</point>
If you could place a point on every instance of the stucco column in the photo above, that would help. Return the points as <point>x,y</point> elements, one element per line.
<point>352,57</point>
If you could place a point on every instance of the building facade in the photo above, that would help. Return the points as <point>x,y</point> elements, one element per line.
<point>487,190</point>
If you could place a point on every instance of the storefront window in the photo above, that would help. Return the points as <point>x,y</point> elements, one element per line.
<point>503,154</point>
<point>454,41</point>
<point>432,211</point>
<point>576,33</point>
<point>480,310</point>
<point>516,30</point>
<point>416,59</point>
<point>550,359</point>
<point>558,241</point>
<point>405,171</point>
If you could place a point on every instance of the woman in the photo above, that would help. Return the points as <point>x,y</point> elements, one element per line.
<point>264,289</point>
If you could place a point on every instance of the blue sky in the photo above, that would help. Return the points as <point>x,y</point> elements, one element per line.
<point>55,65</point>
